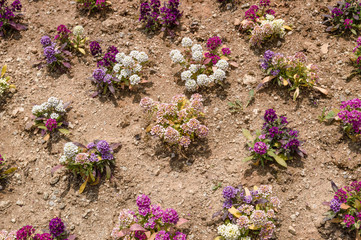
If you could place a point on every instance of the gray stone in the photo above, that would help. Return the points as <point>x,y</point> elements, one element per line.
<point>291,230</point>
<point>249,79</point>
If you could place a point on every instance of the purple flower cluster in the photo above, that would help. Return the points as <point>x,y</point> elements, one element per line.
<point>260,148</point>
<point>56,227</point>
<point>270,116</point>
<point>251,13</point>
<point>109,57</point>
<point>348,23</point>
<point>9,15</point>
<point>143,203</point>
<point>226,51</point>
<point>51,124</point>
<point>62,34</point>
<point>25,232</point>
<point>104,149</point>
<point>54,56</point>
<point>345,16</point>
<point>44,236</point>
<point>349,220</point>
<point>95,48</point>
<point>213,43</point>
<point>1,160</point>
<point>350,115</point>
<point>335,205</point>
<point>255,12</point>
<point>170,216</point>
<point>93,4</point>
<point>155,17</point>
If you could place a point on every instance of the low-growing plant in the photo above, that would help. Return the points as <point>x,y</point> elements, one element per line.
<point>9,17</point>
<point>291,71</point>
<point>90,161</point>
<point>248,214</point>
<point>4,82</point>
<point>344,17</point>
<point>356,57</point>
<point>260,22</point>
<point>345,207</point>
<point>349,114</point>
<point>274,142</point>
<point>164,18</point>
<point>50,117</point>
<point>116,69</point>
<point>93,5</point>
<point>56,58</point>
<point>202,68</point>
<point>56,231</point>
<point>235,107</point>
<point>151,222</point>
<point>5,235</point>
<point>177,123</point>
<point>75,40</point>
<point>5,171</point>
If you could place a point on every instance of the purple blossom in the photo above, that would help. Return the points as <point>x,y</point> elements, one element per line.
<point>103,147</point>
<point>157,211</point>
<point>25,232</point>
<point>99,74</point>
<point>143,201</point>
<point>49,53</point>
<point>44,236</point>
<point>341,196</point>
<point>45,41</point>
<point>179,236</point>
<point>227,203</point>
<point>229,192</point>
<point>213,43</point>
<point>226,51</point>
<point>270,115</point>
<point>270,12</point>
<point>248,199</point>
<point>95,48</point>
<point>292,145</point>
<point>56,227</point>
<point>16,5</point>
<point>260,148</point>
<point>170,216</point>
<point>162,235</point>
<point>335,205</point>
<point>336,12</point>
<point>51,124</point>
<point>1,160</point>
<point>273,132</point>
<point>348,23</point>
<point>349,220</point>
<point>251,13</point>
<point>264,3</point>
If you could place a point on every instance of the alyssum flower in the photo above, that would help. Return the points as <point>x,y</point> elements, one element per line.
<point>4,82</point>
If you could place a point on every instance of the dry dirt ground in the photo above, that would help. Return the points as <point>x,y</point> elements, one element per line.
<point>33,196</point>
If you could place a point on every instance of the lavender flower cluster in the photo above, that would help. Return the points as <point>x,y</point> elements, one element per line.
<point>275,142</point>
<point>50,116</point>
<point>56,58</point>
<point>202,68</point>
<point>117,69</point>
<point>344,17</point>
<point>155,17</point>
<point>344,206</point>
<point>93,5</point>
<point>260,22</point>
<point>350,116</point>
<point>9,15</point>
<point>178,122</point>
<point>291,71</point>
<point>57,231</point>
<point>150,218</point>
<point>248,214</point>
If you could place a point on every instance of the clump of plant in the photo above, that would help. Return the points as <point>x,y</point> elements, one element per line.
<point>274,142</point>
<point>116,69</point>
<point>7,235</point>
<point>248,214</point>
<point>356,57</point>
<point>90,161</point>
<point>4,82</point>
<point>202,68</point>
<point>344,17</point>
<point>151,222</point>
<point>9,17</point>
<point>291,71</point>
<point>156,18</point>
<point>260,22</point>
<point>349,115</point>
<point>93,5</point>
<point>345,207</point>
<point>5,171</point>
<point>56,231</point>
<point>50,117</point>
<point>178,122</point>
<point>56,58</point>
<point>74,41</point>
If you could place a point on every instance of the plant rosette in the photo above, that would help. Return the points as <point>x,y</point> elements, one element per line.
<point>5,171</point>
<point>50,117</point>
<point>248,214</point>
<point>349,115</point>
<point>345,207</point>
<point>93,5</point>
<point>116,69</point>
<point>90,161</point>
<point>201,69</point>
<point>344,17</point>
<point>4,82</point>
<point>274,142</point>
<point>56,231</point>
<point>261,24</point>
<point>290,71</point>
<point>151,222</point>
<point>177,123</point>
<point>75,40</point>
<point>9,17</point>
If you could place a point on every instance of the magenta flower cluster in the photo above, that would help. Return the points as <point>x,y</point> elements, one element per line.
<point>350,116</point>
<point>255,12</point>
<point>177,122</point>
<point>2,161</point>
<point>95,48</point>
<point>345,16</point>
<point>51,124</point>
<point>56,229</point>
<point>9,15</point>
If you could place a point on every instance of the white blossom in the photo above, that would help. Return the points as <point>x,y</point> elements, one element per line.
<point>62,159</point>
<point>119,57</point>
<point>137,68</point>
<point>177,58</point>
<point>142,57</point>
<point>187,42</point>
<point>134,54</point>
<point>53,101</point>
<point>194,68</point>
<point>128,61</point>
<point>197,56</point>
<point>36,109</point>
<point>117,67</point>
<point>229,231</point>
<point>222,64</point>
<point>54,116</point>
<point>186,75</point>
<point>78,30</point>
<point>191,85</point>
<point>202,80</point>
<point>70,150</point>
<point>219,75</point>
<point>197,47</point>
<point>134,79</point>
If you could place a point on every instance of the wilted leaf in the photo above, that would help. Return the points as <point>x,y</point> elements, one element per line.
<point>322,90</point>
<point>224,58</point>
<point>358,205</point>
<point>344,206</point>
<point>216,214</point>
<point>79,145</point>
<point>285,82</point>
<point>264,81</point>
<point>71,237</point>
<point>287,27</point>
<point>247,134</point>
<point>278,159</point>
<point>334,186</point>
<point>181,221</point>
<point>3,70</point>
<point>330,115</point>
<point>235,212</point>
<point>66,64</point>
<point>336,220</point>
<point>148,128</point>
<point>82,187</point>
<point>10,170</point>
<point>29,125</point>
<point>64,131</point>
<point>91,176</point>
<point>296,94</point>
<point>115,146</point>
<point>234,64</point>
<point>81,50</point>
<point>153,236</point>
<point>108,171</point>
<point>218,238</point>
<point>46,137</point>
<point>208,60</point>
<point>353,31</point>
<point>248,193</point>
<point>137,227</point>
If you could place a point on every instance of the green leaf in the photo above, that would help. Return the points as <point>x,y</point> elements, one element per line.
<point>353,31</point>
<point>251,97</point>
<point>247,134</point>
<point>42,127</point>
<point>9,171</point>
<point>64,131</point>
<point>3,70</point>
<point>330,115</point>
<point>278,159</point>
<point>108,171</point>
<point>247,159</point>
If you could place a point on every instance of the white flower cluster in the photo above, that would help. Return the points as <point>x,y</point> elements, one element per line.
<point>52,107</point>
<point>229,231</point>
<point>277,25</point>
<point>193,75</point>
<point>78,31</point>
<point>3,86</point>
<point>70,151</point>
<point>128,67</point>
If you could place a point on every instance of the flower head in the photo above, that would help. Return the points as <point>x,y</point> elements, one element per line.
<point>170,216</point>
<point>51,124</point>
<point>95,48</point>
<point>56,227</point>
